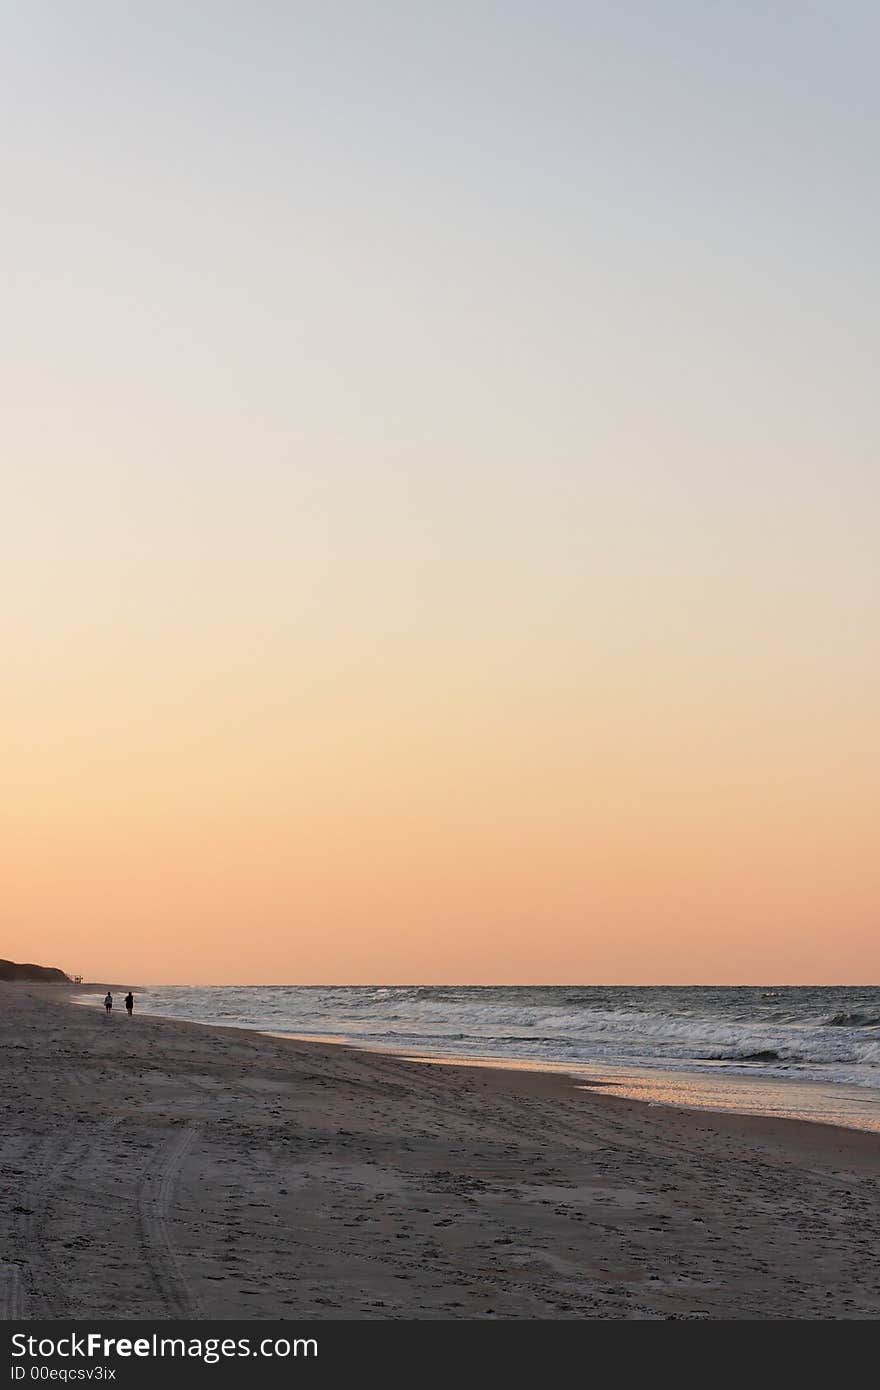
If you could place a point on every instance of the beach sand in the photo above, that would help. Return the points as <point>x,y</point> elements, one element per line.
<point>154,1169</point>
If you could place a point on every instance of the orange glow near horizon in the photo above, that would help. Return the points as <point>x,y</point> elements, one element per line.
<point>414,822</point>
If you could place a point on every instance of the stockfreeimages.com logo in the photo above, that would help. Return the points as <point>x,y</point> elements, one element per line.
<point>210,1350</point>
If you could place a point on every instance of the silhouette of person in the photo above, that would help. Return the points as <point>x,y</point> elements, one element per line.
<point>129,1002</point>
<point>108,1001</point>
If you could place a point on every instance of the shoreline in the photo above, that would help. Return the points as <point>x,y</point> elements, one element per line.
<point>698,1092</point>
<point>702,1090</point>
<point>161,1168</point>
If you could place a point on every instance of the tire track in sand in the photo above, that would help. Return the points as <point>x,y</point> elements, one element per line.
<point>153,1202</point>
<point>13,1304</point>
<point>58,1157</point>
<point>55,1158</point>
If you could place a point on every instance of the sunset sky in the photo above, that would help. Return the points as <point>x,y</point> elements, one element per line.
<point>440,519</point>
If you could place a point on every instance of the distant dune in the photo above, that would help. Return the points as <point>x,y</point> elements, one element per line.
<point>9,970</point>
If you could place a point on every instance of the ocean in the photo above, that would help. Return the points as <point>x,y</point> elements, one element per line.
<point>805,1051</point>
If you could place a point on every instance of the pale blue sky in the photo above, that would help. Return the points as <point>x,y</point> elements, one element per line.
<point>529,267</point>
<point>547,260</point>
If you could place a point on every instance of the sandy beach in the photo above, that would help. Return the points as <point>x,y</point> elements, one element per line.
<point>156,1169</point>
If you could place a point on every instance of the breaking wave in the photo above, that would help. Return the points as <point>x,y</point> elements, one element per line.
<point>854,1020</point>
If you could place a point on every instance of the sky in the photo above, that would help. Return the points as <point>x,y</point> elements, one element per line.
<point>439,495</point>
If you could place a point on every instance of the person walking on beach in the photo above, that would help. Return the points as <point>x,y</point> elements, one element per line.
<point>108,1001</point>
<point>129,1003</point>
